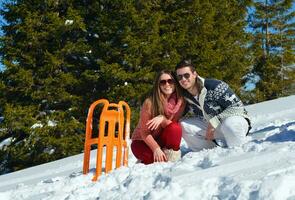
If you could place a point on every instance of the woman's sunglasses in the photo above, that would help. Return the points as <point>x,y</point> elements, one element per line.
<point>169,81</point>
<point>185,76</point>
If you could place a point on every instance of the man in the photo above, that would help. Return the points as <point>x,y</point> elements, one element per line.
<point>220,118</point>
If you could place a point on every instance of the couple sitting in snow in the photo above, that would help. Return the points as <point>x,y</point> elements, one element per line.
<point>217,116</point>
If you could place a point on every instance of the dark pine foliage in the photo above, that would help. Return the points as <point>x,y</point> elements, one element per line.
<point>272,48</point>
<point>61,55</point>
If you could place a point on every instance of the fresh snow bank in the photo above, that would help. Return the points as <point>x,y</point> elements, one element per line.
<point>264,168</point>
<point>273,111</point>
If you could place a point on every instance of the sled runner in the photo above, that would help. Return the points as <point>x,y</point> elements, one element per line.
<point>113,132</point>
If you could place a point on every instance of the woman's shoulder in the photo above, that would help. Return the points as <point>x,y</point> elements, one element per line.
<point>147,102</point>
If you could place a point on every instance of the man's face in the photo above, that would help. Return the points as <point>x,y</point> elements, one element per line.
<point>186,77</point>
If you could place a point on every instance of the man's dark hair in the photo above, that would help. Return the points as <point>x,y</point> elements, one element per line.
<point>185,63</point>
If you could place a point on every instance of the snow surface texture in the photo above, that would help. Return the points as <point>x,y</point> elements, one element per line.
<point>264,168</point>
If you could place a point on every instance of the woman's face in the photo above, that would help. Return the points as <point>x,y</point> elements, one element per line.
<point>167,85</point>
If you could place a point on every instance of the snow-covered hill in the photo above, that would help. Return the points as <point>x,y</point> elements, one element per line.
<point>264,168</point>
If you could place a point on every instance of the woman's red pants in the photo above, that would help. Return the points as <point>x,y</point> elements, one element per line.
<point>169,138</point>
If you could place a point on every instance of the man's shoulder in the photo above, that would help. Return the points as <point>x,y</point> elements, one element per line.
<point>211,84</point>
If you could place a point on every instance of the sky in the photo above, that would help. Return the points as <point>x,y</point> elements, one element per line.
<point>1,22</point>
<point>263,168</point>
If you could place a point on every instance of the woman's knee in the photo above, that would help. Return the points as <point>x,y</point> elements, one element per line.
<point>174,127</point>
<point>171,136</point>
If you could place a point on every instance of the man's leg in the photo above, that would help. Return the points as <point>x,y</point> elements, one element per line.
<point>194,132</point>
<point>233,130</point>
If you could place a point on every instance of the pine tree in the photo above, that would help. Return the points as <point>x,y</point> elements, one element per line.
<point>44,49</point>
<point>273,48</point>
<point>131,40</point>
<point>62,55</point>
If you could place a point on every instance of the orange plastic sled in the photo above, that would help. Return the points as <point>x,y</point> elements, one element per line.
<point>113,131</point>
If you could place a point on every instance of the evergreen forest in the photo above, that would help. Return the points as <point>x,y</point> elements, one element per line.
<point>59,56</point>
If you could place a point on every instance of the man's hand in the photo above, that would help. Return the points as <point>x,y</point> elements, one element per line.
<point>210,132</point>
<point>159,155</point>
<point>154,123</point>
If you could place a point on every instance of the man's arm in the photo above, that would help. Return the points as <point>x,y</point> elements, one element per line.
<point>228,101</point>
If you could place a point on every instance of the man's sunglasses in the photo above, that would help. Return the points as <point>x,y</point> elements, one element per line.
<point>185,76</point>
<point>169,81</point>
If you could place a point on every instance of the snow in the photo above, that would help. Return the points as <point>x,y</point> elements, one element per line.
<point>69,22</point>
<point>6,142</point>
<point>263,168</point>
<point>36,125</point>
<point>51,123</point>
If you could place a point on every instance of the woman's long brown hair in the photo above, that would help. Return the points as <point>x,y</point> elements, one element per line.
<point>157,97</point>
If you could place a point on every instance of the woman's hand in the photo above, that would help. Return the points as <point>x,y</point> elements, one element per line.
<point>210,132</point>
<point>154,123</point>
<point>159,155</point>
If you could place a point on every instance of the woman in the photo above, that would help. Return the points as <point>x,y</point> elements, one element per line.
<point>158,130</point>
